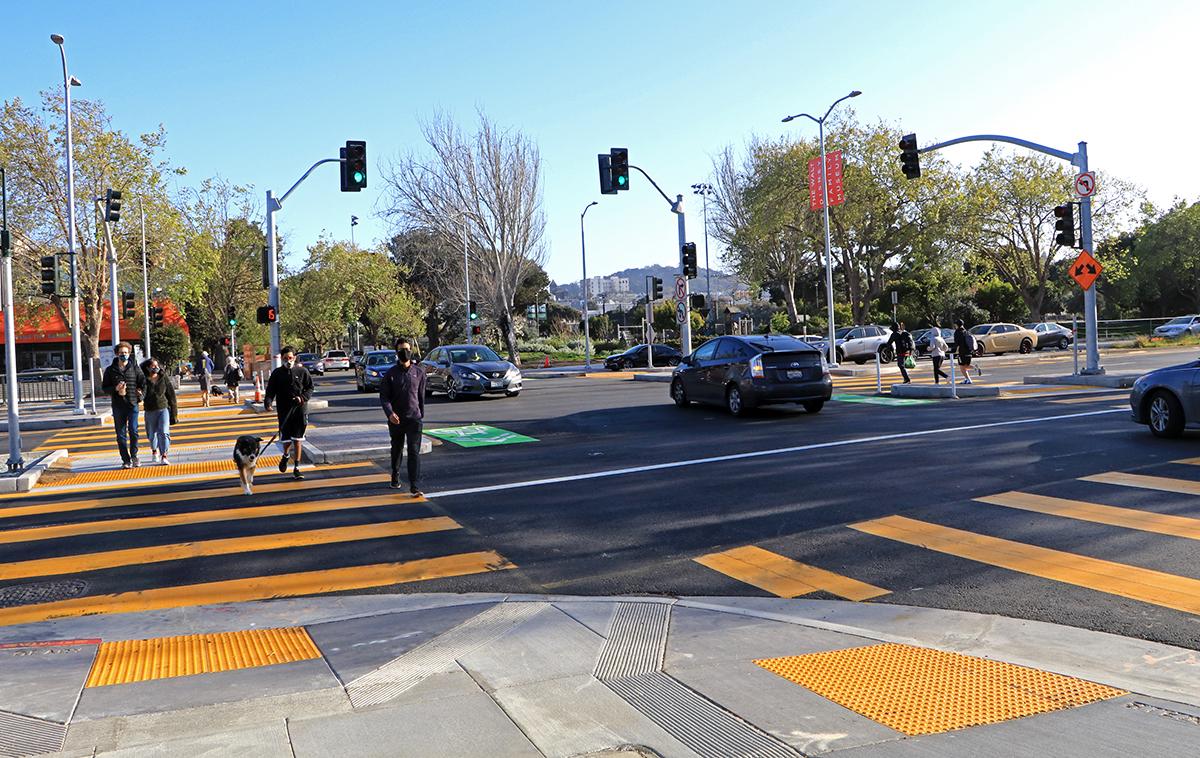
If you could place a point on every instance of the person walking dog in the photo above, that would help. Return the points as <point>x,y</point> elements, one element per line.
<point>124,382</point>
<point>289,388</point>
<point>402,395</point>
<point>162,410</point>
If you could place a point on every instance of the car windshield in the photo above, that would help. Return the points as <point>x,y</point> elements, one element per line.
<point>306,357</point>
<point>472,355</point>
<point>773,344</point>
<point>381,359</point>
<point>980,329</point>
<point>841,333</point>
<point>1180,321</point>
<point>337,354</point>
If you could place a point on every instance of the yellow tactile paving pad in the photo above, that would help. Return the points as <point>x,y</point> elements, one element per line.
<point>128,661</point>
<point>155,471</point>
<point>916,690</point>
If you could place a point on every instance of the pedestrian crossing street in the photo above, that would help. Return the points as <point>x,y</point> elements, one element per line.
<point>110,549</point>
<point>195,429</point>
<point>1111,512</point>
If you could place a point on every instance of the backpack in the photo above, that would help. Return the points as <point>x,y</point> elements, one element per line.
<point>906,343</point>
<point>968,345</point>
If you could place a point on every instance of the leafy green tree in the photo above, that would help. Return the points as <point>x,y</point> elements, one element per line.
<point>170,345</point>
<point>1001,301</point>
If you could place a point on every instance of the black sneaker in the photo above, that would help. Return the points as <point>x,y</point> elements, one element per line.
<point>283,465</point>
<point>296,474</point>
<point>395,485</point>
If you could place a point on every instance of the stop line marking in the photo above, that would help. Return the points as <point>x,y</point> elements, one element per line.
<point>763,453</point>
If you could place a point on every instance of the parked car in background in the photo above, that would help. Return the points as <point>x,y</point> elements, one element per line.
<point>312,362</point>
<point>921,339</point>
<point>859,344</point>
<point>1003,338</point>
<point>1179,327</point>
<point>462,370</point>
<point>337,360</point>
<point>744,372</point>
<point>636,357</point>
<point>369,371</point>
<point>1052,335</point>
<point>1168,399</point>
<point>355,356</point>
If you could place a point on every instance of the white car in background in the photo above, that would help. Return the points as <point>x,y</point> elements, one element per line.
<point>859,344</point>
<point>1178,327</point>
<point>337,359</point>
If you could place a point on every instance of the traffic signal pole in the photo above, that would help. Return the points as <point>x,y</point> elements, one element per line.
<point>113,293</point>
<point>274,206</point>
<point>1079,160</point>
<point>685,329</point>
<point>15,460</point>
<point>145,286</point>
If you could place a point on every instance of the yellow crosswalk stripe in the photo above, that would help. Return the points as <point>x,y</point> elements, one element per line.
<point>71,564</point>
<point>784,577</point>
<point>183,427</point>
<point>63,506</point>
<point>1093,399</point>
<point>1159,523</point>
<point>262,587</point>
<point>1159,483</point>
<point>264,430</point>
<point>59,531</point>
<point>1146,585</point>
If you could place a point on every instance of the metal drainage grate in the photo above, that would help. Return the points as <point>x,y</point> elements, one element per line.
<point>41,592</point>
<point>439,654</point>
<point>637,642</point>
<point>26,735</point>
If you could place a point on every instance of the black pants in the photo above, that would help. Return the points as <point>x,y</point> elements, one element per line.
<point>937,368</point>
<point>125,421</point>
<point>903,371</point>
<point>406,434</point>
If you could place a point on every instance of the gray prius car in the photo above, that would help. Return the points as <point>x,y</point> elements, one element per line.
<point>470,370</point>
<point>1168,399</point>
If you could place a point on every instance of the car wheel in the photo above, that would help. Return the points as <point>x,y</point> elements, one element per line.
<point>616,366</point>
<point>452,392</point>
<point>886,354</point>
<point>1026,347</point>
<point>512,394</point>
<point>1063,343</point>
<point>1166,415</point>
<point>841,355</point>
<point>679,394</point>
<point>860,361</point>
<point>980,350</point>
<point>734,402</point>
<point>813,406</point>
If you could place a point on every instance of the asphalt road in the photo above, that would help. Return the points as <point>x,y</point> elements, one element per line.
<point>621,492</point>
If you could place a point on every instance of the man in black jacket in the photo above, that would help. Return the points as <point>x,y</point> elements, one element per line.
<point>289,387</point>
<point>402,395</point>
<point>124,382</point>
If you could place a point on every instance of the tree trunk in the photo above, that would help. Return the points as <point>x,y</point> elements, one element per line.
<point>433,327</point>
<point>509,332</point>
<point>789,299</point>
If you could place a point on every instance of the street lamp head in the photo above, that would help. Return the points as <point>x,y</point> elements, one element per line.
<point>75,82</point>
<point>56,39</point>
<point>855,93</point>
<point>594,202</point>
<point>786,119</point>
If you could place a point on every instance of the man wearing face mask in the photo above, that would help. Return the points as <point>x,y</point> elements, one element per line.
<point>289,388</point>
<point>125,383</point>
<point>402,395</point>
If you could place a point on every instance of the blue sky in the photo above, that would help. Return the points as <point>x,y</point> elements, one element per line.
<point>256,92</point>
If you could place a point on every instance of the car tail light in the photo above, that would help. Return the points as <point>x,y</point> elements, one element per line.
<point>756,367</point>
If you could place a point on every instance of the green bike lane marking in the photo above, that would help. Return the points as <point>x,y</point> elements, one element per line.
<point>876,400</point>
<point>478,435</point>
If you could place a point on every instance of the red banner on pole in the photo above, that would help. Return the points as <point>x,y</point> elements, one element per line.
<point>833,173</point>
<point>814,185</point>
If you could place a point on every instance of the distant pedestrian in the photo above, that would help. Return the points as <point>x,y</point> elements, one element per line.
<point>233,378</point>
<point>937,351</point>
<point>124,382</point>
<point>902,346</point>
<point>964,346</point>
<point>402,395</point>
<point>289,387</point>
<point>162,410</point>
<point>206,370</point>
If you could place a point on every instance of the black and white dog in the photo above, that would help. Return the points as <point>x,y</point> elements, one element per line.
<point>245,454</point>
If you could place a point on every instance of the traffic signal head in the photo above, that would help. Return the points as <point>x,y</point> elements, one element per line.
<point>231,312</point>
<point>156,316</point>
<point>472,311</point>
<point>476,330</point>
<point>606,183</point>
<point>689,260</point>
<point>619,160</point>
<point>354,165</point>
<point>112,205</point>
<point>225,341</point>
<point>266,314</point>
<point>126,305</point>
<point>697,302</point>
<point>910,161</point>
<point>656,288</point>
<point>49,274</point>
<point>1065,224</point>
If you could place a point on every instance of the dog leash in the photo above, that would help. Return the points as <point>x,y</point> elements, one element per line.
<point>275,436</point>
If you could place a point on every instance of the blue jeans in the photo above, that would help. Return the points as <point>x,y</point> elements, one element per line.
<point>158,429</point>
<point>125,419</point>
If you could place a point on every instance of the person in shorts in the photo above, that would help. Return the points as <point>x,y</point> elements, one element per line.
<point>289,388</point>
<point>964,345</point>
<point>207,367</point>
<point>233,377</point>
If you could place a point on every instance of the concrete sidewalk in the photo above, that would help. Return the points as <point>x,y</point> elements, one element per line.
<point>503,675</point>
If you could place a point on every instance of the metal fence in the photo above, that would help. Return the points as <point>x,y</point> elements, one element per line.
<point>1114,329</point>
<point>44,385</point>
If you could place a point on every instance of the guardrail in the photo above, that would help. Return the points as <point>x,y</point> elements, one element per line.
<point>42,385</point>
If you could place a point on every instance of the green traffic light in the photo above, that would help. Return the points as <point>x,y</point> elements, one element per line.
<point>621,180</point>
<point>358,177</point>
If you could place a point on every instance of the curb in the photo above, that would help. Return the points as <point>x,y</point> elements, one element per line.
<point>316,456</point>
<point>63,422</point>
<point>937,390</point>
<point>1114,381</point>
<point>26,481</point>
<point>664,378</point>
<point>313,405</point>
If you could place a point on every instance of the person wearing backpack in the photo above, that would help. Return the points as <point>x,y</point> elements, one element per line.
<point>233,377</point>
<point>903,346</point>
<point>964,345</point>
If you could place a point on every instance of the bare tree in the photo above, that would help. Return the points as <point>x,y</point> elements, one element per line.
<point>489,182</point>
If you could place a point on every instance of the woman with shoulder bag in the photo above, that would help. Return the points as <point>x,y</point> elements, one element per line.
<point>161,409</point>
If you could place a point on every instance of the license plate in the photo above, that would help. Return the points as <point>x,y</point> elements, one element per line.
<point>795,375</point>
<point>497,384</point>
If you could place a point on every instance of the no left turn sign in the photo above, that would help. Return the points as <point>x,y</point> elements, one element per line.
<point>680,288</point>
<point>1085,184</point>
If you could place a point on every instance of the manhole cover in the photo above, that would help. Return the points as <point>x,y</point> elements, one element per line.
<point>42,592</point>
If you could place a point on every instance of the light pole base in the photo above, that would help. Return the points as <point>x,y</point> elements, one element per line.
<point>1098,371</point>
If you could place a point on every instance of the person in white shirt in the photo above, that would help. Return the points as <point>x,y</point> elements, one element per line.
<point>937,351</point>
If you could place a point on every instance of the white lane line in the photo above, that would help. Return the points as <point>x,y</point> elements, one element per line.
<point>761,454</point>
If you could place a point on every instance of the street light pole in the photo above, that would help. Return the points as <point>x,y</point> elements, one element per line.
<point>145,285</point>
<point>825,207</point>
<point>76,345</point>
<point>704,190</point>
<point>587,331</point>
<point>15,459</point>
<point>467,280</point>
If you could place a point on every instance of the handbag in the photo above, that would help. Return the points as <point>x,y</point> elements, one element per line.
<point>909,362</point>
